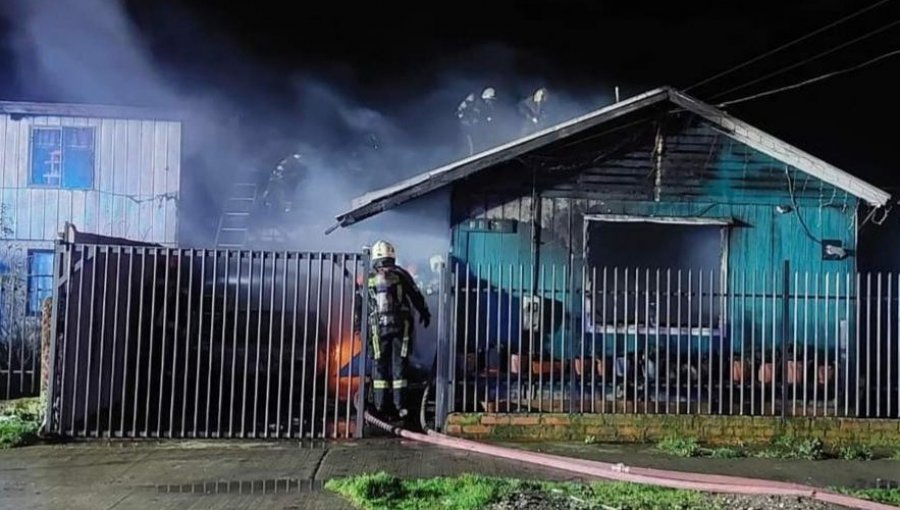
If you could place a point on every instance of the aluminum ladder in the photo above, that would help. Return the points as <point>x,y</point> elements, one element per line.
<point>234,224</point>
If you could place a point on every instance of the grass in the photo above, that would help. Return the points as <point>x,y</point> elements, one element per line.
<point>886,496</point>
<point>680,447</point>
<point>689,447</point>
<point>381,491</point>
<point>789,448</point>
<point>856,452</point>
<point>20,421</point>
<point>781,448</point>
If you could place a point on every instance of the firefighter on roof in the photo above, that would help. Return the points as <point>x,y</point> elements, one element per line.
<point>532,110</point>
<point>392,295</point>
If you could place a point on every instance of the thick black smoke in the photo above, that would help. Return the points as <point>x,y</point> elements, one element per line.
<point>241,117</point>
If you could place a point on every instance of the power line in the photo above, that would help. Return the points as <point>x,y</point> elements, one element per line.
<point>811,80</point>
<point>810,59</point>
<point>788,45</point>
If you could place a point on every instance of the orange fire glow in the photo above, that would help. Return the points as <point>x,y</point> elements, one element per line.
<point>342,361</point>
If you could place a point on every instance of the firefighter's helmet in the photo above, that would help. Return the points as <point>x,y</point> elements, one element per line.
<point>383,250</point>
<point>540,95</point>
<point>488,94</point>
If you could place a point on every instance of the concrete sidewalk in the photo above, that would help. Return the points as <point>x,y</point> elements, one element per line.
<point>149,475</point>
<point>286,475</point>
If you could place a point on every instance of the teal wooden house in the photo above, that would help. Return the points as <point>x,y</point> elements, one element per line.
<point>656,201</point>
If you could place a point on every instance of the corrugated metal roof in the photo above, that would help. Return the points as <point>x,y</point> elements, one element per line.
<point>28,108</point>
<point>377,201</point>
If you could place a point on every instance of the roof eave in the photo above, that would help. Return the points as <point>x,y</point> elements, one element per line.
<point>768,144</point>
<point>374,202</point>
<point>84,110</point>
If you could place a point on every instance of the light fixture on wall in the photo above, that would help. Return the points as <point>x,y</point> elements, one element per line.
<point>833,250</point>
<point>783,209</point>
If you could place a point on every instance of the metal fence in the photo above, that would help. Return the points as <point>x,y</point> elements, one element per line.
<point>24,282</point>
<point>626,340</point>
<point>160,342</point>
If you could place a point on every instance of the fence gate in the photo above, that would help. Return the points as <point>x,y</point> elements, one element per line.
<point>165,342</point>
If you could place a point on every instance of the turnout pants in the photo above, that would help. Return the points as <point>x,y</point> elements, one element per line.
<point>390,353</point>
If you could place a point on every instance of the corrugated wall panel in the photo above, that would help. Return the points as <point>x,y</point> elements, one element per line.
<point>173,179</point>
<point>106,173</point>
<point>51,225</point>
<point>145,181</point>
<point>4,122</point>
<point>160,160</point>
<point>129,179</point>
<point>10,153</point>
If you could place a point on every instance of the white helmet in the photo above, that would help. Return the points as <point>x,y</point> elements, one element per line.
<point>436,262</point>
<point>540,95</point>
<point>488,93</point>
<point>383,250</point>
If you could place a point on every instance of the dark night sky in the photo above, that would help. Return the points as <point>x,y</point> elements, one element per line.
<point>386,53</point>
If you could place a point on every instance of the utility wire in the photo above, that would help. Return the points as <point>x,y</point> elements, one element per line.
<point>811,80</point>
<point>787,45</point>
<point>810,59</point>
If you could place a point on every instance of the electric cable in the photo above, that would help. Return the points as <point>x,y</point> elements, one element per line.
<point>788,45</point>
<point>811,80</point>
<point>810,59</point>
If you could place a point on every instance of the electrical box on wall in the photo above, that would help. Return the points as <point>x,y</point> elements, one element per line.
<point>496,226</point>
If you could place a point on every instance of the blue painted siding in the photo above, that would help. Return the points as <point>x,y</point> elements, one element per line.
<point>703,174</point>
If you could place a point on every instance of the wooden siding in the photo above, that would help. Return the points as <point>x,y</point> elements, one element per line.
<point>701,174</point>
<point>137,172</point>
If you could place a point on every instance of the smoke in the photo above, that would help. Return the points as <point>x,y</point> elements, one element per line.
<point>241,117</point>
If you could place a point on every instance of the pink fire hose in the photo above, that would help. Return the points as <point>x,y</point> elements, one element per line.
<point>623,473</point>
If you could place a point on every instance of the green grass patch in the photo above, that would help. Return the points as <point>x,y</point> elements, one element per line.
<point>856,452</point>
<point>886,496</point>
<point>791,448</point>
<point>689,447</point>
<point>20,421</point>
<point>381,491</point>
<point>680,447</point>
<point>725,453</point>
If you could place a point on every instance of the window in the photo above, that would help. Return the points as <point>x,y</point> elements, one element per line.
<point>40,279</point>
<point>688,253</point>
<point>62,157</point>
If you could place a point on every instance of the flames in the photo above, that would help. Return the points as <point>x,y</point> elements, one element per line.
<point>342,358</point>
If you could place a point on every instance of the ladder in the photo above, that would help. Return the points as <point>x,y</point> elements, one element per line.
<point>234,224</point>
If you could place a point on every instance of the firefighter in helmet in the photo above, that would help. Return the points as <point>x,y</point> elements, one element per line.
<point>392,295</point>
<point>533,111</point>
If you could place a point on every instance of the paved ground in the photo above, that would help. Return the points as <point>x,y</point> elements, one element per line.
<point>223,475</point>
<point>288,476</point>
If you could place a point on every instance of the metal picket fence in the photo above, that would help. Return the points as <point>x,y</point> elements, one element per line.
<point>670,341</point>
<point>164,342</point>
<point>24,283</point>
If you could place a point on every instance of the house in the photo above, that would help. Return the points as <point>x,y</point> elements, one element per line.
<point>656,202</point>
<point>111,171</point>
<point>107,170</point>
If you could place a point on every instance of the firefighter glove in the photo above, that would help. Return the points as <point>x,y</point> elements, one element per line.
<point>425,319</point>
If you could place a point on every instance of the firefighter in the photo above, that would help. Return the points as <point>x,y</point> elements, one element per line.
<point>283,182</point>
<point>467,113</point>
<point>532,110</point>
<point>392,295</point>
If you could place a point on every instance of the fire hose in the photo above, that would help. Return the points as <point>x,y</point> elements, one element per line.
<point>623,473</point>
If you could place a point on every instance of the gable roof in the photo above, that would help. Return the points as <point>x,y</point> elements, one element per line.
<point>377,201</point>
